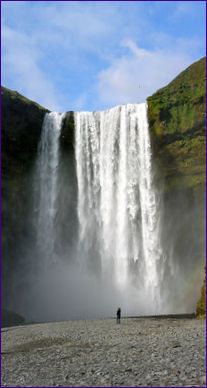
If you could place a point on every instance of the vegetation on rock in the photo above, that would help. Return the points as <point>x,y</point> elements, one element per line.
<point>180,106</point>
<point>177,117</point>
<point>177,123</point>
<point>201,305</point>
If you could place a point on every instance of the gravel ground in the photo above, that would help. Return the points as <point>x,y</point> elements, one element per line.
<point>138,352</point>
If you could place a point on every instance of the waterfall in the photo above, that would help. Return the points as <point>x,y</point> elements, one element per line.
<point>47,185</point>
<point>118,206</point>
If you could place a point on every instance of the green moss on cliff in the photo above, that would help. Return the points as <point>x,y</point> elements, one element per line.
<point>183,162</point>
<point>13,95</point>
<point>201,305</point>
<point>180,106</point>
<point>177,123</point>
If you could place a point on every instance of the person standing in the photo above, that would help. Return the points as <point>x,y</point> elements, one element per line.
<point>118,315</point>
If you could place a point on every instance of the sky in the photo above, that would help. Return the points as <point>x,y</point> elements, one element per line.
<point>80,55</point>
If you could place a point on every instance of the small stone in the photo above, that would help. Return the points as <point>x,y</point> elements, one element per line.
<point>176,345</point>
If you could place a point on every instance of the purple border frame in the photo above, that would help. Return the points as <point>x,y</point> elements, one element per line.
<point>1,272</point>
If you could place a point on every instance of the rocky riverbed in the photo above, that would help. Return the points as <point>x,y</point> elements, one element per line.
<point>138,352</point>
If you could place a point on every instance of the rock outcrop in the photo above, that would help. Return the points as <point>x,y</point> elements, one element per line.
<point>177,117</point>
<point>177,121</point>
<point>22,123</point>
<point>21,130</point>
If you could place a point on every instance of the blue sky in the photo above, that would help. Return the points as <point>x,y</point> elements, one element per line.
<point>93,55</point>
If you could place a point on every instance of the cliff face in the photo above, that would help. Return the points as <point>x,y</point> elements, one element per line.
<point>177,124</point>
<point>22,123</point>
<point>21,129</point>
<point>177,121</point>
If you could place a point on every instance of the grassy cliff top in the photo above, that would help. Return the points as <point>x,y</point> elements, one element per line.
<point>177,116</point>
<point>21,127</point>
<point>190,83</point>
<point>13,95</point>
<point>179,107</point>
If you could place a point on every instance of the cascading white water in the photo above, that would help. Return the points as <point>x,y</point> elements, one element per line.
<point>46,183</point>
<point>117,202</point>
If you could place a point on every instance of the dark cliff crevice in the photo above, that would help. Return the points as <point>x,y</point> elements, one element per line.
<point>67,136</point>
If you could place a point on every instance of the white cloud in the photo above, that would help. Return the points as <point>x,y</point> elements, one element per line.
<point>139,73</point>
<point>56,32</point>
<point>21,60</point>
<point>71,55</point>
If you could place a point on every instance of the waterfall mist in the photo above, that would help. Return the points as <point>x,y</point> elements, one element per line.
<point>98,236</point>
